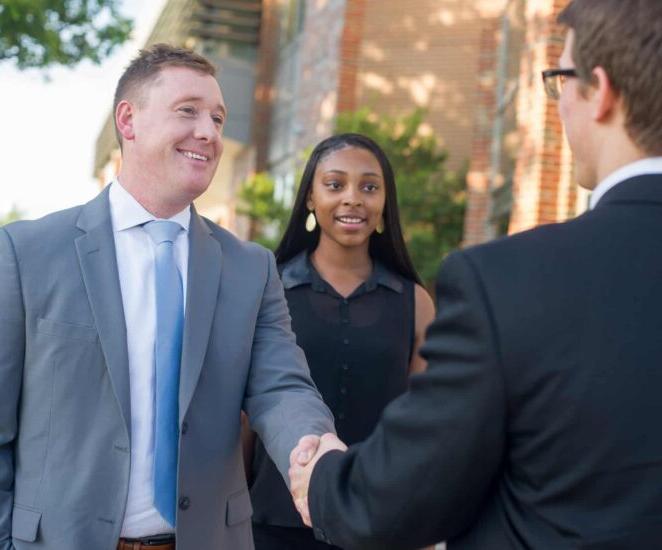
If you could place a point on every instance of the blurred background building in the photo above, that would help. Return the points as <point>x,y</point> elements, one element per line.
<point>521,165</point>
<point>288,68</point>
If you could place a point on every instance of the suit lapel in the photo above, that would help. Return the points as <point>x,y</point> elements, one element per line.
<point>98,264</point>
<point>204,274</point>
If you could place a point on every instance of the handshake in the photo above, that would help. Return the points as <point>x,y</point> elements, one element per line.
<point>302,462</point>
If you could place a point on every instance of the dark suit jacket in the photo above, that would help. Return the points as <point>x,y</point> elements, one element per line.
<point>537,423</point>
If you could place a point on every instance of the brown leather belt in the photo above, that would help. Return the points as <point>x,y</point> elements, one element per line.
<point>157,542</point>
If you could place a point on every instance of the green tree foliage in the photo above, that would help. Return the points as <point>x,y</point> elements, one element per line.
<point>431,198</point>
<point>11,216</point>
<point>267,216</point>
<point>42,33</point>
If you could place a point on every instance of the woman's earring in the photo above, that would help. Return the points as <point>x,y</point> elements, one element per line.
<point>311,222</point>
<point>380,226</point>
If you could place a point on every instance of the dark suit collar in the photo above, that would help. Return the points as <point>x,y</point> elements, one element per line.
<point>638,189</point>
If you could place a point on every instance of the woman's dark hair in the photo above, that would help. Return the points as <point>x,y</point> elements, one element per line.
<point>389,247</point>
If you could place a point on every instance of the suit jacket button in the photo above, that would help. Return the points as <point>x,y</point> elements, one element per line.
<point>184,503</point>
<point>184,428</point>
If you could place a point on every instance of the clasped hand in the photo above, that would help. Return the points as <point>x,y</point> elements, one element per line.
<point>302,462</point>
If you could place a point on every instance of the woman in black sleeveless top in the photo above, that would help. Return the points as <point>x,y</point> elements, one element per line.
<point>358,309</point>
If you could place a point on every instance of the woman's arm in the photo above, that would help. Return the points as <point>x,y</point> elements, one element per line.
<point>424,314</point>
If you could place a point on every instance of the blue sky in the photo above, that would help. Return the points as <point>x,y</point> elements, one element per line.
<point>48,128</point>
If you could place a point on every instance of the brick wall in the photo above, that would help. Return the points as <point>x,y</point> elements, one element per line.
<point>543,188</point>
<point>424,54</point>
<point>543,191</point>
<point>264,82</point>
<point>391,58</point>
<point>437,54</point>
<point>479,201</point>
<point>350,54</point>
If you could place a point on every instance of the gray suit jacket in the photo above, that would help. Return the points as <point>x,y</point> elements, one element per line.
<point>64,384</point>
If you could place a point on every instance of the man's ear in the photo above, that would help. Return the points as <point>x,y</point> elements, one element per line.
<point>604,97</point>
<point>124,119</point>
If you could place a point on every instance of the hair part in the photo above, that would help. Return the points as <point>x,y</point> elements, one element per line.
<point>388,247</point>
<point>146,67</point>
<point>625,39</point>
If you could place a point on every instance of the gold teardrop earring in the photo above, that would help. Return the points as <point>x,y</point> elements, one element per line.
<point>311,222</point>
<point>380,226</point>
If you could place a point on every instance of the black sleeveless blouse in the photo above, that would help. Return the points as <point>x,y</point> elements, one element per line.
<point>358,349</point>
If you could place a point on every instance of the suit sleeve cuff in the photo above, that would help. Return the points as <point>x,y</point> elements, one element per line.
<point>323,475</point>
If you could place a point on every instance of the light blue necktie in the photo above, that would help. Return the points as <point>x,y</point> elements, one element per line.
<point>167,355</point>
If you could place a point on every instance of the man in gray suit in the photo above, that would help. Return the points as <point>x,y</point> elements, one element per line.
<point>127,354</point>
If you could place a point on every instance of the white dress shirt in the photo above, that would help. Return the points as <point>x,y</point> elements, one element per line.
<point>644,167</point>
<point>135,264</point>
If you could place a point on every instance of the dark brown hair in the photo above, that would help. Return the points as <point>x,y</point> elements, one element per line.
<point>146,66</point>
<point>624,37</point>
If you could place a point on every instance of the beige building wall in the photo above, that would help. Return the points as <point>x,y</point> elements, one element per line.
<point>425,54</point>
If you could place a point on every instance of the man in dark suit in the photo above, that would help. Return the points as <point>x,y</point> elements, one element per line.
<point>536,424</point>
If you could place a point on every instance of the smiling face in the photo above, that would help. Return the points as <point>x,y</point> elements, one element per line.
<point>348,197</point>
<point>172,136</point>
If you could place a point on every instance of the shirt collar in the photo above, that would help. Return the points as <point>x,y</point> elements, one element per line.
<point>651,165</point>
<point>297,271</point>
<point>300,271</point>
<point>383,276</point>
<point>126,212</point>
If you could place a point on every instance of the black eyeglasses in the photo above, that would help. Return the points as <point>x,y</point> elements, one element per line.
<point>554,79</point>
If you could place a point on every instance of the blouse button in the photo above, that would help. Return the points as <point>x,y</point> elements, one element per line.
<point>343,391</point>
<point>345,341</point>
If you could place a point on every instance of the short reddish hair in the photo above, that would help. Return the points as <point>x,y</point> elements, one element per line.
<point>146,66</point>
